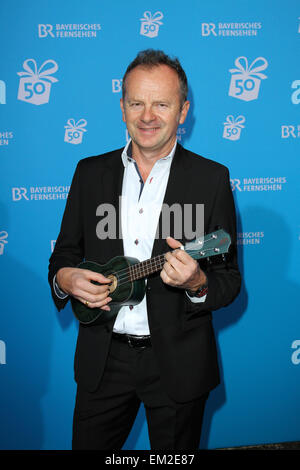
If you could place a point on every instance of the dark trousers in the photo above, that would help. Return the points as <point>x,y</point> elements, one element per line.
<point>103,419</point>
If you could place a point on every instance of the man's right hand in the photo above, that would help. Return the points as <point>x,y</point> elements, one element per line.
<point>77,282</point>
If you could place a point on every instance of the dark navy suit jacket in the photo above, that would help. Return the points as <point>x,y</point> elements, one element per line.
<point>181,331</point>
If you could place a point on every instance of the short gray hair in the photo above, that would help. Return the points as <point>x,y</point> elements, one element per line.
<point>152,58</point>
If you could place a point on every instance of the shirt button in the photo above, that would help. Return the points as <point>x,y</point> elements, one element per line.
<point>136,241</point>
<point>141,210</point>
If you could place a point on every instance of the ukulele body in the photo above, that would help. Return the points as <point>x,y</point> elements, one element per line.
<point>123,291</point>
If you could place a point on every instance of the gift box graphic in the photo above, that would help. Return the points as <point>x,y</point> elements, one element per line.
<point>35,84</point>
<point>3,236</point>
<point>232,127</point>
<point>74,131</point>
<point>150,24</point>
<point>245,80</point>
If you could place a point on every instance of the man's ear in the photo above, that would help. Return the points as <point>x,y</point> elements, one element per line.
<point>184,111</point>
<point>122,109</point>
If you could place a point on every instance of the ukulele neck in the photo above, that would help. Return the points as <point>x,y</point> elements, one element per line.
<point>147,267</point>
<point>215,243</point>
<point>151,266</point>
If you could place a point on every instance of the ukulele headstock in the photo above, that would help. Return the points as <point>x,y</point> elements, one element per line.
<point>215,243</point>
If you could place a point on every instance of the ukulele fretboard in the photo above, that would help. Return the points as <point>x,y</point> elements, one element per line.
<point>144,268</point>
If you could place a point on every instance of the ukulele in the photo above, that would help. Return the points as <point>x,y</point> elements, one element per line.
<point>128,275</point>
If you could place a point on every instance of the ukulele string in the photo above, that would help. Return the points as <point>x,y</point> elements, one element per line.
<point>136,270</point>
<point>151,262</point>
<point>127,274</point>
<point>124,276</point>
<point>137,266</point>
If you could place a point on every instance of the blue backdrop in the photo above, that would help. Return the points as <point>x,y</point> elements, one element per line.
<point>60,81</point>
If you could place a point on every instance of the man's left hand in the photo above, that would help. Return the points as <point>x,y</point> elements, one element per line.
<point>181,270</point>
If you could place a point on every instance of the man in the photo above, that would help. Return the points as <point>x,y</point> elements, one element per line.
<point>161,352</point>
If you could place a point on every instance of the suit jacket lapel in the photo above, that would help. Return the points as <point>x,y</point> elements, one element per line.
<point>112,180</point>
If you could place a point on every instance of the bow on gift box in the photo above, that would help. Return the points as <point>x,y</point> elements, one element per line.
<point>242,67</point>
<point>235,122</point>
<point>152,19</point>
<point>39,74</point>
<point>76,126</point>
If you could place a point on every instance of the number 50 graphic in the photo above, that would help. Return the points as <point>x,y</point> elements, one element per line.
<point>35,84</point>
<point>245,79</point>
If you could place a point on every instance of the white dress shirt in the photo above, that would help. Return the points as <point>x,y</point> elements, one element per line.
<point>140,211</point>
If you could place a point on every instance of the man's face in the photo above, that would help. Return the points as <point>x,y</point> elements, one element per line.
<point>152,109</point>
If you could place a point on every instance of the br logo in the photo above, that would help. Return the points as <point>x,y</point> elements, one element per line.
<point>45,29</point>
<point>117,85</point>
<point>246,79</point>
<point>19,193</point>
<point>207,29</point>
<point>235,184</point>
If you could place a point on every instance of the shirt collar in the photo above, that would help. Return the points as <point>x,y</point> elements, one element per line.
<point>127,154</point>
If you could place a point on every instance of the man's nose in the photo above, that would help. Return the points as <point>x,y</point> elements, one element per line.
<point>147,114</point>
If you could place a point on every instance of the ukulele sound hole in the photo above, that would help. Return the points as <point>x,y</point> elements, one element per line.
<point>113,284</point>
